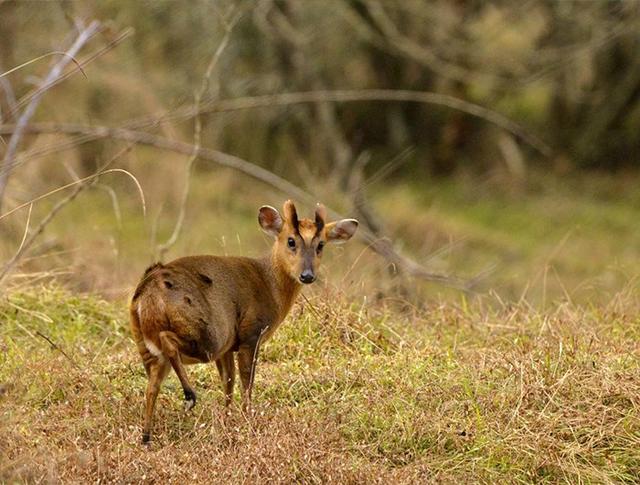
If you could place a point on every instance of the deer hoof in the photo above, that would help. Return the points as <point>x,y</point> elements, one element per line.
<point>189,400</point>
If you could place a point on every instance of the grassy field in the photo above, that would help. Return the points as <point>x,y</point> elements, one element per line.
<point>372,379</point>
<point>350,391</point>
<point>492,144</point>
<point>552,240</point>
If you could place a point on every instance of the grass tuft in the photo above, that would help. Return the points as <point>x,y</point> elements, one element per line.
<point>345,392</point>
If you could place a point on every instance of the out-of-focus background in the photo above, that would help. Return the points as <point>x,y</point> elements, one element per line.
<point>483,326</point>
<point>491,142</point>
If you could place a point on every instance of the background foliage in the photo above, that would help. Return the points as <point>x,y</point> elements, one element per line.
<point>513,171</point>
<point>565,72</point>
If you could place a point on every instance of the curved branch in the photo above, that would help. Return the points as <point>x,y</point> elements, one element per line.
<point>323,96</point>
<point>351,96</point>
<point>379,245</point>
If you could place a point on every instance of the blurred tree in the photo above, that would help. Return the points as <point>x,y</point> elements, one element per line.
<point>567,71</point>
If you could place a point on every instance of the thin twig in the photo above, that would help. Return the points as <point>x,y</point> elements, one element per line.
<point>10,98</point>
<point>73,362</point>
<point>43,56</point>
<point>30,110</point>
<point>80,185</point>
<point>99,53</point>
<point>176,146</point>
<point>254,360</point>
<point>58,348</point>
<point>79,181</point>
<point>6,168</point>
<point>197,138</point>
<point>26,229</point>
<point>414,50</point>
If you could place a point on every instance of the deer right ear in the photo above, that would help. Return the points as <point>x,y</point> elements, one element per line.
<point>270,220</point>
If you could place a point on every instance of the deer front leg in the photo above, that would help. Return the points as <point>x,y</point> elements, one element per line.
<point>227,369</point>
<point>247,360</point>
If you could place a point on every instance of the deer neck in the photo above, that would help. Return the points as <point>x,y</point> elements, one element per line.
<point>285,288</point>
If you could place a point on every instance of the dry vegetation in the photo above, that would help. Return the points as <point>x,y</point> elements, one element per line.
<point>349,392</point>
<point>463,132</point>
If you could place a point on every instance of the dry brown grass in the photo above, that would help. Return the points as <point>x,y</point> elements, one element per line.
<point>349,392</point>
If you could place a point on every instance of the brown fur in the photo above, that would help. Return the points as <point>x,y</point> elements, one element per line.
<point>204,308</point>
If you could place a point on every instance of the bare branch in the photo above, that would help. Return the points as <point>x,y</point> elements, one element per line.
<point>54,346</point>
<point>9,96</point>
<point>144,138</point>
<point>163,248</point>
<point>80,185</point>
<point>351,96</point>
<point>111,45</point>
<point>380,246</point>
<point>30,110</point>
<point>324,96</point>
<point>413,50</point>
<point>327,96</point>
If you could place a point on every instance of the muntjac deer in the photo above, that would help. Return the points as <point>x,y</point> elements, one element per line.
<point>206,308</point>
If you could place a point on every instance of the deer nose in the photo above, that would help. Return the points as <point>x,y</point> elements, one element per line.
<point>307,276</point>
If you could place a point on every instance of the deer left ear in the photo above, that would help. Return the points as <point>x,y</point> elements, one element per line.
<point>341,231</point>
<point>270,220</point>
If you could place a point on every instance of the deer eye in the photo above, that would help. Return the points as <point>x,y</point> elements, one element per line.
<point>320,246</point>
<point>291,243</point>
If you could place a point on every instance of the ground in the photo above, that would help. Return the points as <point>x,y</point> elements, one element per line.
<point>534,376</point>
<point>348,391</point>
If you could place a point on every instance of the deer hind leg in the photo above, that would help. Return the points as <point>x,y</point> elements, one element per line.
<point>227,370</point>
<point>170,344</point>
<point>147,357</point>
<point>157,370</point>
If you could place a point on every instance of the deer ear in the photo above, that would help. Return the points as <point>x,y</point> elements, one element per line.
<point>341,231</point>
<point>270,220</point>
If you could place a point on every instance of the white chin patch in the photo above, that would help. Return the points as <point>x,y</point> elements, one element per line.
<point>188,404</point>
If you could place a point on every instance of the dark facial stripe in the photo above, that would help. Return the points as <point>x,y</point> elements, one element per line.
<point>294,220</point>
<point>319,224</point>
